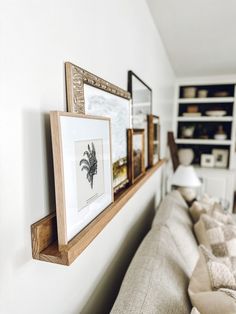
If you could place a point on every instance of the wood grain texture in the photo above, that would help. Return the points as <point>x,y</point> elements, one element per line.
<point>59,176</point>
<point>151,138</point>
<point>173,150</point>
<point>43,232</point>
<point>130,142</point>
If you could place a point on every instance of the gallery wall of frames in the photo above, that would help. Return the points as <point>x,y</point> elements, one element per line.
<point>105,146</point>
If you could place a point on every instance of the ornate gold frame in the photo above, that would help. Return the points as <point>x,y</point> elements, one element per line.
<point>76,77</point>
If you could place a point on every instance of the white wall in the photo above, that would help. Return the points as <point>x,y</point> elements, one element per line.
<point>107,37</point>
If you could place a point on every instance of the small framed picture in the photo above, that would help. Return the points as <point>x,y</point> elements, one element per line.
<point>207,160</point>
<point>82,169</point>
<point>221,157</point>
<point>153,139</point>
<point>141,95</point>
<point>136,154</point>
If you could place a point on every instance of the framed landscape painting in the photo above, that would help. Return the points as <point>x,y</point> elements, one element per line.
<point>141,95</point>
<point>82,170</point>
<point>89,94</point>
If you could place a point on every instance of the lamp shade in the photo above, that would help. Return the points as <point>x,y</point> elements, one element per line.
<point>185,176</point>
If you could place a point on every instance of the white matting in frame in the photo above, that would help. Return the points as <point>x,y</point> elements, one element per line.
<point>101,103</point>
<point>83,170</point>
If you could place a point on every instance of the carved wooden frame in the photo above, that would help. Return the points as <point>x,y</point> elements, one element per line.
<point>76,77</point>
<point>130,134</point>
<point>151,131</point>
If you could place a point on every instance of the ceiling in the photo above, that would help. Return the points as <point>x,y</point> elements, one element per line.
<point>199,35</point>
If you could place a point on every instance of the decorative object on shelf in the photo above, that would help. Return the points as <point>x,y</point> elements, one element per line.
<point>207,160</point>
<point>202,93</point>
<point>192,114</point>
<point>187,131</point>
<point>189,92</point>
<point>82,170</point>
<point>220,133</point>
<point>186,179</point>
<point>153,139</point>
<point>186,156</point>
<point>89,94</point>
<point>202,132</point>
<point>220,157</point>
<point>216,113</point>
<point>141,95</point>
<point>173,150</point>
<point>221,94</point>
<point>192,109</point>
<point>136,154</point>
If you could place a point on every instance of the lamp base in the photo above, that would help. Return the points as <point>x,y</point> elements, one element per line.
<point>189,194</point>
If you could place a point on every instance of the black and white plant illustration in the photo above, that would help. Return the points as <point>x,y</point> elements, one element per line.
<point>89,163</point>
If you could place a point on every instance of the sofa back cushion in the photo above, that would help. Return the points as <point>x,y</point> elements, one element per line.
<point>173,213</point>
<point>156,281</point>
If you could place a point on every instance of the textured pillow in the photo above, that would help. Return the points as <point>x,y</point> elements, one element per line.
<point>201,233</point>
<point>220,215</point>
<point>210,287</point>
<point>197,209</point>
<point>202,206</point>
<point>220,238</point>
<point>213,209</point>
<point>209,200</point>
<point>195,311</point>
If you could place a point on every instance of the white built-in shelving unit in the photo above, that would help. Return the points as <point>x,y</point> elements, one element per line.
<point>200,143</point>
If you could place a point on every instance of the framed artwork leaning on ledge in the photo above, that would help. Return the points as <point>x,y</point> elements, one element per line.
<point>136,154</point>
<point>90,94</point>
<point>82,170</point>
<point>153,139</point>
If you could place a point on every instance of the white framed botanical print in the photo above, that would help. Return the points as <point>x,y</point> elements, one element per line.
<point>82,170</point>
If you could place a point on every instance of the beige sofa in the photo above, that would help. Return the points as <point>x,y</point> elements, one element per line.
<point>157,279</point>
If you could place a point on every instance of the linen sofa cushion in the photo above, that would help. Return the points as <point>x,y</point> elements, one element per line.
<point>173,213</point>
<point>156,280</point>
<point>165,210</point>
<point>210,287</point>
<point>194,311</point>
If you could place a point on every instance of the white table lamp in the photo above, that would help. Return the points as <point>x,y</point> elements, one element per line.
<point>186,178</point>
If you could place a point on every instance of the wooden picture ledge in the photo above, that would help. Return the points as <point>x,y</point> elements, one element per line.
<point>44,232</point>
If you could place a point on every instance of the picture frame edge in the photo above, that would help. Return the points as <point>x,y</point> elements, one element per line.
<point>59,179</point>
<point>60,197</point>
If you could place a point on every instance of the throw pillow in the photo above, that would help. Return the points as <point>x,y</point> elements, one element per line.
<point>220,238</point>
<point>197,209</point>
<point>210,287</point>
<point>219,214</point>
<point>195,311</point>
